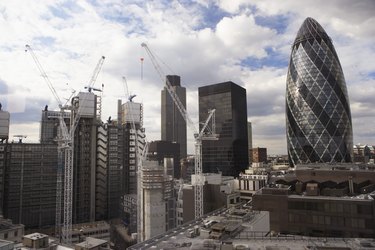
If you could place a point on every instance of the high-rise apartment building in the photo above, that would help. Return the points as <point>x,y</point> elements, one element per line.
<point>173,125</point>
<point>228,154</point>
<point>318,118</point>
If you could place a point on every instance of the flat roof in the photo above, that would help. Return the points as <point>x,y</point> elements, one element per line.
<point>91,242</point>
<point>321,197</point>
<point>246,237</point>
<point>35,236</point>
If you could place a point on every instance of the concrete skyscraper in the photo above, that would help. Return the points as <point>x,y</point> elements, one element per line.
<point>173,125</point>
<point>228,154</point>
<point>318,118</point>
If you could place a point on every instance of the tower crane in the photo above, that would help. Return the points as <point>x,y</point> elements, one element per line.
<point>204,133</point>
<point>65,142</point>
<point>141,157</point>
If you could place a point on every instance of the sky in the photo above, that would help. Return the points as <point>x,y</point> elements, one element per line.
<point>204,41</point>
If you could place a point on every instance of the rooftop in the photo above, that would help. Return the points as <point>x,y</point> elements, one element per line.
<point>35,236</point>
<point>246,236</point>
<point>91,243</point>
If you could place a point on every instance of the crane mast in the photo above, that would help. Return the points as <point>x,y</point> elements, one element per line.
<point>141,157</point>
<point>202,135</point>
<point>65,142</point>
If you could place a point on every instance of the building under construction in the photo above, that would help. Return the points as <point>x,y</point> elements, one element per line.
<point>28,180</point>
<point>49,125</point>
<point>122,161</point>
<point>158,204</point>
<point>89,179</point>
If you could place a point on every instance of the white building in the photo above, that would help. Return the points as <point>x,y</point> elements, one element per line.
<point>249,182</point>
<point>157,195</point>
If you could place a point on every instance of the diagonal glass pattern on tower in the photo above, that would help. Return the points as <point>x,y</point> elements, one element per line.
<point>318,119</point>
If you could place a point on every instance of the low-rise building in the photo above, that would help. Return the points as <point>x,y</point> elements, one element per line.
<point>218,191</point>
<point>250,182</point>
<point>97,229</point>
<point>11,232</point>
<point>335,200</point>
<point>91,244</point>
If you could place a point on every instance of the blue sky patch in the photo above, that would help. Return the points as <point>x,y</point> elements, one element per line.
<point>371,75</point>
<point>276,22</point>
<point>45,40</point>
<point>3,87</point>
<point>59,12</point>
<point>212,16</point>
<point>273,59</point>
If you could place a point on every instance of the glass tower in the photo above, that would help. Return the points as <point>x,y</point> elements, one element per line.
<point>229,154</point>
<point>318,119</point>
<point>173,125</point>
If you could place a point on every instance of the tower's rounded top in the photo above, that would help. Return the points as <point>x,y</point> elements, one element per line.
<point>310,29</point>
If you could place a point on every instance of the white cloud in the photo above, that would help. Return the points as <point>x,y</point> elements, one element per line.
<point>70,37</point>
<point>243,37</point>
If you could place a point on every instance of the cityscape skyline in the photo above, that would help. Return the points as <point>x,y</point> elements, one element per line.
<point>244,42</point>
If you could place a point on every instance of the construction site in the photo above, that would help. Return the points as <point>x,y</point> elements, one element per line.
<point>94,184</point>
<point>85,170</point>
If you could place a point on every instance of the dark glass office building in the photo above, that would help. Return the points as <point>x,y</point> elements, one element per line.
<point>229,154</point>
<point>318,119</point>
<point>173,125</point>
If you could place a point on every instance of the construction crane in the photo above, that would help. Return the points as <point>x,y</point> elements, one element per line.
<point>141,157</point>
<point>204,134</point>
<point>89,89</point>
<point>65,142</point>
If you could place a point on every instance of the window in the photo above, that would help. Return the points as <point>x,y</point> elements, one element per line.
<point>327,220</point>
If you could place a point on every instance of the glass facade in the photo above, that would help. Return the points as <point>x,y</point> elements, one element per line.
<point>173,125</point>
<point>318,119</point>
<point>229,154</point>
